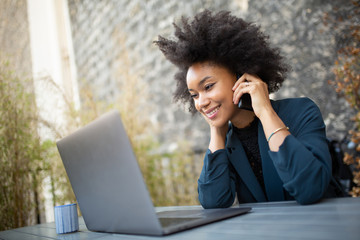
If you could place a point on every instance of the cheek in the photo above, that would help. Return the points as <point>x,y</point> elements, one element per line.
<point>224,96</point>
<point>228,102</point>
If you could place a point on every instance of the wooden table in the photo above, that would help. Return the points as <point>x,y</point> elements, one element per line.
<point>329,219</point>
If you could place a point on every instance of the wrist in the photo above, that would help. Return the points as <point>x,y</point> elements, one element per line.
<point>218,132</point>
<point>275,129</point>
<point>267,114</point>
<point>217,138</point>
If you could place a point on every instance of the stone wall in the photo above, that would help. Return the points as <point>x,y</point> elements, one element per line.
<point>110,35</point>
<point>297,28</point>
<point>14,37</point>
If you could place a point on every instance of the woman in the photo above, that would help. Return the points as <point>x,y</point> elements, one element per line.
<point>272,151</point>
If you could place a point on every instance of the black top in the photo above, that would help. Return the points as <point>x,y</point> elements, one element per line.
<point>249,139</point>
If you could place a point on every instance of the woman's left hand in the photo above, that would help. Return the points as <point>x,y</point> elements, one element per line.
<point>258,91</point>
<point>261,104</point>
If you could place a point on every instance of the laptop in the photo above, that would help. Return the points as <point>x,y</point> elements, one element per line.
<point>110,189</point>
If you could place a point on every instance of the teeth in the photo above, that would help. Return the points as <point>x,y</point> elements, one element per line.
<point>213,111</point>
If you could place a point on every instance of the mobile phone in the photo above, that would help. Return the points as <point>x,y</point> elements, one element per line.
<point>245,100</point>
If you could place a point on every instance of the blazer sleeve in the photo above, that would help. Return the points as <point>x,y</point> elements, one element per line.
<point>303,161</point>
<point>216,184</point>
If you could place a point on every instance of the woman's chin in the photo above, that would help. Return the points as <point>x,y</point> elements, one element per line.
<point>219,124</point>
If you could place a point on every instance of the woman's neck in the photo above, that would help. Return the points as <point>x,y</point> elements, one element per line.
<point>243,118</point>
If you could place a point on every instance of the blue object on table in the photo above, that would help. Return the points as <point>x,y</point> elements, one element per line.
<point>66,218</point>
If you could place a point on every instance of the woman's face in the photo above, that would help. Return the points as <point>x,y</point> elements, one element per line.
<point>210,86</point>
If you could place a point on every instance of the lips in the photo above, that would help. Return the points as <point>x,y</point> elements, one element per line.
<point>211,113</point>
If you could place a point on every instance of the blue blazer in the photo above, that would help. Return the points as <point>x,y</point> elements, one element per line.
<point>300,170</point>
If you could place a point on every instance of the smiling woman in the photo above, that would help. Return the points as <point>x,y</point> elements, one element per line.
<point>210,88</point>
<point>273,151</point>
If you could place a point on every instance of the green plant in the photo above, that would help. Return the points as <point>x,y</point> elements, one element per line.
<point>20,149</point>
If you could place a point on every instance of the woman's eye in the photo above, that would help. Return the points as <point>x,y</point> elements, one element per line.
<point>208,86</point>
<point>193,95</point>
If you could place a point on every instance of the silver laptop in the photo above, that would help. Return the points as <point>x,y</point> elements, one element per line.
<point>110,189</point>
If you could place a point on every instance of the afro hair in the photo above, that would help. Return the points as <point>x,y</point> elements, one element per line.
<point>225,40</point>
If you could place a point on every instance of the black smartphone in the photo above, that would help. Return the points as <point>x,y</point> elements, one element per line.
<point>245,100</point>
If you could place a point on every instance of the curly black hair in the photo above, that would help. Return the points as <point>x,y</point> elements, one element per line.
<point>225,40</point>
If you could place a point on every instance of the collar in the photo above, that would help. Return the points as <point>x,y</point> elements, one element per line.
<point>240,162</point>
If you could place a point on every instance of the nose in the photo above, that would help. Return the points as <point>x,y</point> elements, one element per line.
<point>203,101</point>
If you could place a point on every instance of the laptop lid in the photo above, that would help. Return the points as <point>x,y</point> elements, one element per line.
<point>107,180</point>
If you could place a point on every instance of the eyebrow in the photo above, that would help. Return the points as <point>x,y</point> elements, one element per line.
<point>201,82</point>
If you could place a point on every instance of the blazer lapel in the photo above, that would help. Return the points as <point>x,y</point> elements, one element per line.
<point>273,183</point>
<point>241,164</point>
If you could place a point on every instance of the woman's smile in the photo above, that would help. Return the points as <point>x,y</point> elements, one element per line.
<point>212,112</point>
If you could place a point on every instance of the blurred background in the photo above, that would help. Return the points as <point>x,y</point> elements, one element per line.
<point>65,62</point>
